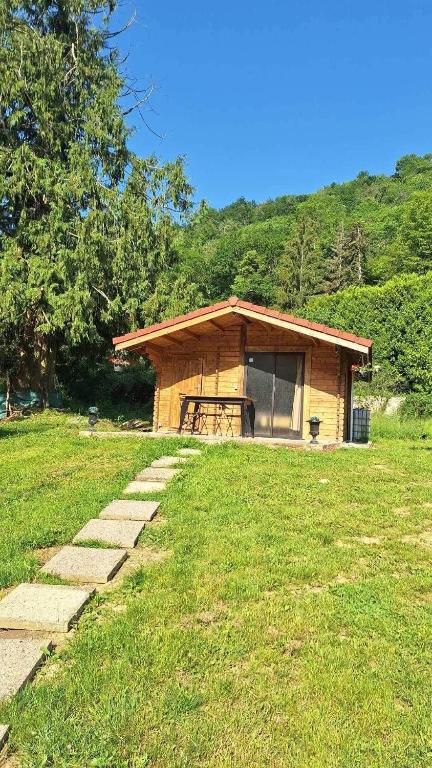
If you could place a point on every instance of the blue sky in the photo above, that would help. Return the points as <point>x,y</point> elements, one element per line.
<point>273,97</point>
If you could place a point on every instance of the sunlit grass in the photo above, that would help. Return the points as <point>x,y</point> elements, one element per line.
<point>289,628</point>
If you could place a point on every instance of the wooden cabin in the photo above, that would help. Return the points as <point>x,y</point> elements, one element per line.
<point>289,369</point>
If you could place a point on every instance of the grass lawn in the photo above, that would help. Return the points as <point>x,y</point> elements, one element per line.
<point>290,627</point>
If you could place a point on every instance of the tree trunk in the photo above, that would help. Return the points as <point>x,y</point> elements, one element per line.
<point>8,393</point>
<point>36,371</point>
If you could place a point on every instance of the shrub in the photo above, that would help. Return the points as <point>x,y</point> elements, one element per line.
<point>397,316</point>
<point>417,405</point>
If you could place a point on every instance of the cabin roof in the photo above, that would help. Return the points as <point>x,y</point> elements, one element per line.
<point>236,307</point>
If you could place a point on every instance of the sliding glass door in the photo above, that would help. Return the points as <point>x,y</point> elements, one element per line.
<point>274,381</point>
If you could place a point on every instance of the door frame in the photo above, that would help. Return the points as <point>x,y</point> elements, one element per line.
<point>301,352</point>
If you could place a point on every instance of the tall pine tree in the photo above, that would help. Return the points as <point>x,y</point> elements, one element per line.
<point>84,226</point>
<point>300,271</point>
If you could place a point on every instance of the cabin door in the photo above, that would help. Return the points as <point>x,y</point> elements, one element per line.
<point>274,381</point>
<point>187,376</point>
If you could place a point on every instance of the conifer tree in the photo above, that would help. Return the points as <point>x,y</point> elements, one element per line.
<point>84,226</point>
<point>338,272</point>
<point>300,271</point>
<point>356,255</point>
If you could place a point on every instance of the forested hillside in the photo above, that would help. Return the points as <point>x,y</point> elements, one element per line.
<point>283,251</point>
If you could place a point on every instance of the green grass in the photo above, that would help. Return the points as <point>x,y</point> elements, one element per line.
<point>289,628</point>
<point>398,428</point>
<point>53,482</point>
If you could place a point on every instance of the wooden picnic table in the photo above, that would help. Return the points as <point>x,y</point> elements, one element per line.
<point>221,403</point>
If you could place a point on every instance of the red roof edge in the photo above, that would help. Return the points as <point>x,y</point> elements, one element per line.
<point>173,321</point>
<point>233,301</point>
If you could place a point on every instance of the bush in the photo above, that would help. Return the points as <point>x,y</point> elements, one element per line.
<point>397,316</point>
<point>88,380</point>
<point>417,405</point>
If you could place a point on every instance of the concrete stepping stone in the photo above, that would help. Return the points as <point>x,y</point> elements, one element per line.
<point>129,509</point>
<point>86,564</point>
<point>189,452</point>
<point>168,461</point>
<point>145,486</point>
<point>121,533</point>
<point>157,473</point>
<point>42,607</point>
<point>4,733</point>
<point>19,660</point>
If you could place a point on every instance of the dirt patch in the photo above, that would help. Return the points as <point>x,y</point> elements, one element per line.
<point>140,556</point>
<point>157,521</point>
<point>368,539</point>
<point>426,598</point>
<point>207,618</point>
<point>312,589</point>
<point>343,578</point>
<point>349,543</point>
<point>45,554</point>
<point>293,647</point>
<point>402,705</point>
<point>344,544</point>
<point>427,504</point>
<point>402,511</point>
<point>9,761</point>
<point>273,631</point>
<point>423,539</point>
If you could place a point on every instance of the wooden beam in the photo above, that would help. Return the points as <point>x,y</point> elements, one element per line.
<point>243,320</point>
<point>174,341</point>
<point>145,338</point>
<point>216,325</point>
<point>192,335</point>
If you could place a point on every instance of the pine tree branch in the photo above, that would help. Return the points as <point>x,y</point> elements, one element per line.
<point>101,293</point>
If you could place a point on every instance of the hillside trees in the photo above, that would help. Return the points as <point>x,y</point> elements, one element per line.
<point>85,227</point>
<point>366,231</point>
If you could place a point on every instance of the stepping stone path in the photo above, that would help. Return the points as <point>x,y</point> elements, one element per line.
<point>4,733</point>
<point>52,607</point>
<point>157,473</point>
<point>168,461</point>
<point>42,607</point>
<point>19,660</point>
<point>121,533</point>
<point>86,564</point>
<point>129,509</point>
<point>145,486</point>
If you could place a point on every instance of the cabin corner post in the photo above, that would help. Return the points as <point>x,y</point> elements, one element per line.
<point>154,358</point>
<point>242,360</point>
<point>156,404</point>
<point>307,391</point>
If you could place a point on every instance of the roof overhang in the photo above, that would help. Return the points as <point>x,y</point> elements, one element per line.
<point>221,316</point>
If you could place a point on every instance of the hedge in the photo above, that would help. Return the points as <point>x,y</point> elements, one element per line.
<point>397,316</point>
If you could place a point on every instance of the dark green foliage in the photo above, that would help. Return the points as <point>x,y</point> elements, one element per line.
<point>89,378</point>
<point>86,228</point>
<point>365,232</point>
<point>417,405</point>
<point>397,316</point>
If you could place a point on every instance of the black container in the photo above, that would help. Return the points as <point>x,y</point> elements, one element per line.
<point>361,421</point>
